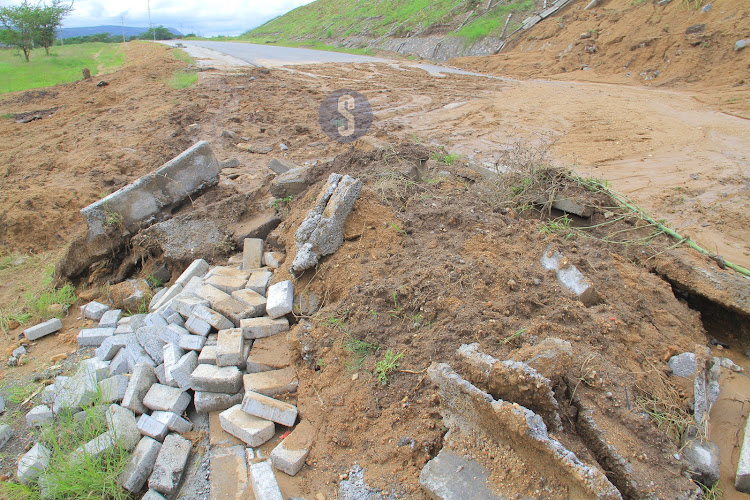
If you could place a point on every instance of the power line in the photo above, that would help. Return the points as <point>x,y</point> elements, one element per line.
<point>122,22</point>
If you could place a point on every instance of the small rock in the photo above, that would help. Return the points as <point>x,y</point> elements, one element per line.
<point>707,7</point>
<point>19,351</point>
<point>683,365</point>
<point>741,44</point>
<point>702,459</point>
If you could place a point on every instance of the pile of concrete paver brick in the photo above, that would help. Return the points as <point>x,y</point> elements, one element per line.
<point>193,346</point>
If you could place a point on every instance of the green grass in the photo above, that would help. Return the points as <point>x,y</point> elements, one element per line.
<point>182,79</point>
<point>491,24</point>
<point>387,365</point>
<point>559,225</point>
<point>63,65</point>
<point>445,158</point>
<point>359,349</point>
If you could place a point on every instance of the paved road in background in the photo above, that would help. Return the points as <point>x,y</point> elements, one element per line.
<point>271,55</point>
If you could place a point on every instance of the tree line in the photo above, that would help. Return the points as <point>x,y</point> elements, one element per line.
<point>26,26</point>
<point>158,33</point>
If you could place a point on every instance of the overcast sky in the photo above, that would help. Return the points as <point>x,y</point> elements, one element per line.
<point>205,17</point>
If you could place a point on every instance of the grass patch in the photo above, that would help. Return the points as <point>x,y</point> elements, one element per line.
<point>62,65</point>
<point>491,24</point>
<point>445,158</point>
<point>183,56</point>
<point>183,79</point>
<point>387,365</point>
<point>554,226</point>
<point>359,349</point>
<point>17,392</point>
<point>663,403</point>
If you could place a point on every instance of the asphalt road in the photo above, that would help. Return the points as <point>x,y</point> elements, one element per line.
<point>271,55</point>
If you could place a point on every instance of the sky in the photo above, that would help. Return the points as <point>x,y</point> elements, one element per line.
<point>203,17</point>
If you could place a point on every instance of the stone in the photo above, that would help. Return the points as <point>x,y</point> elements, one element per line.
<point>226,284</point>
<point>170,464</point>
<point>258,281</point>
<point>172,354</point>
<point>570,277</point>
<point>269,353</point>
<point>206,402</point>
<point>122,425</point>
<point>173,421</point>
<point>197,326</point>
<point>33,463</point>
<point>161,375</point>
<point>112,345</point>
<point>131,295</point>
<point>683,365</point>
<point>741,44</point>
<point>110,318</point>
<point>152,428</point>
<point>280,299</point>
<point>210,378</point>
<point>702,460</point>
<point>273,260</point>
<point>574,207</point>
<point>113,389</point>
<point>140,382</point>
<point>150,339</point>
<point>228,477</point>
<point>264,482</point>
<point>95,310</point>
<point>155,320</point>
<point>291,183</point>
<point>176,319</point>
<point>279,166</point>
<point>212,317</point>
<point>271,383</point>
<point>48,395</point>
<point>197,268</point>
<point>269,409</point>
<point>153,495</point>
<point>120,364</point>
<point>185,304</point>
<point>43,329</point>
<point>252,430</point>
<point>19,351</point>
<point>322,231</point>
<point>182,371</point>
<point>256,328</point>
<point>289,455</point>
<point>449,476</point>
<point>93,337</point>
<point>157,298</point>
<point>208,355</point>
<point>172,333</point>
<point>139,467</point>
<point>166,398</point>
<point>166,297</point>
<point>39,416</point>
<point>191,342</point>
<point>229,347</point>
<point>255,301</point>
<point>6,432</point>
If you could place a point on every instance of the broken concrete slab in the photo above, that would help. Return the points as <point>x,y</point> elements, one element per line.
<point>449,476</point>
<point>270,409</point>
<point>210,378</point>
<point>322,231</point>
<point>291,183</point>
<point>683,365</point>
<point>228,476</point>
<point>229,347</point>
<point>280,299</point>
<point>166,398</point>
<point>252,430</point>
<point>264,482</point>
<point>289,455</point>
<point>170,464</point>
<point>551,357</point>
<point>702,460</point>
<point>271,383</point>
<point>33,463</point>
<point>206,402</point>
<point>574,207</point>
<point>252,253</point>
<point>570,277</point>
<point>43,329</point>
<point>140,465</point>
<point>141,380</point>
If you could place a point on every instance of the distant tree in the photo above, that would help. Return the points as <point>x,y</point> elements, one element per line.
<point>19,22</point>
<point>49,18</point>
<point>162,33</point>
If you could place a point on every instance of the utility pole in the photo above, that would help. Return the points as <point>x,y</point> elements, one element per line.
<point>150,24</point>
<point>61,36</point>
<point>122,23</point>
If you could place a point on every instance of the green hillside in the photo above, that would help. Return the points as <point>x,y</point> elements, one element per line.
<point>337,19</point>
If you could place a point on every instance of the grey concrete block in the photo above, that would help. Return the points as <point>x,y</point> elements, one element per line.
<point>171,292</point>
<point>42,329</point>
<point>138,355</point>
<point>229,347</point>
<point>112,345</point>
<point>94,336</point>
<point>6,432</point>
<point>157,298</point>
<point>153,495</point>
<point>94,310</point>
<point>140,465</point>
<point>197,268</point>
<point>170,464</point>
<point>93,449</point>
<point>39,416</point>
<point>280,299</point>
<point>702,460</point>
<point>206,402</point>
<point>255,301</point>
<point>271,383</point>
<point>256,328</point>
<point>211,294</point>
<point>450,476</point>
<point>155,320</point>
<point>173,421</point>
<point>226,284</point>
<point>113,389</point>
<point>152,428</point>
<point>161,375</point>
<point>264,482</point>
<point>140,382</point>
<point>182,371</point>
<point>742,478</point>
<point>191,342</point>
<point>258,281</point>
<point>110,318</point>
<point>273,260</point>
<point>122,424</point>
<point>269,409</point>
<point>208,355</point>
<point>48,395</point>
<point>210,378</point>
<point>289,455</point>
<point>33,463</point>
<point>252,430</point>
<point>252,253</point>
<point>124,329</point>
<point>172,354</point>
<point>212,317</point>
<point>234,310</point>
<point>197,326</point>
<point>166,398</point>
<point>570,277</point>
<point>184,304</point>
<point>172,333</point>
<point>119,364</point>
<point>150,339</point>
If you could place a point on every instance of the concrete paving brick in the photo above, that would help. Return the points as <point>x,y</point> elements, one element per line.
<point>226,284</point>
<point>208,355</point>
<point>269,409</point>
<point>173,421</point>
<point>172,333</point>
<point>191,342</point>
<point>206,402</point>
<point>289,455</point>
<point>212,294</point>
<point>155,319</point>
<point>124,329</point>
<point>211,339</point>
<point>152,428</point>
<point>264,483</point>
<point>252,253</point>
<point>94,448</point>
<point>43,329</point>
<point>39,416</point>
<point>234,310</point>
<point>148,337</point>
<point>280,299</point>
<point>95,310</point>
<point>140,465</point>
<point>140,382</point>
<point>273,260</point>
<point>110,318</point>
<point>153,495</point>
<point>229,347</point>
<point>211,378</point>
<point>33,463</point>
<point>161,375</point>
<point>182,371</point>
<point>112,345</point>
<point>197,326</point>
<point>742,478</point>
<point>172,354</point>
<point>269,353</point>
<point>170,464</point>
<point>166,398</point>
<point>258,281</point>
<point>175,319</point>
<point>197,268</point>
<point>217,436</point>
<point>113,389</point>
<point>122,424</point>
<point>255,301</point>
<point>6,432</point>
<point>271,383</point>
<point>229,271</point>
<point>185,303</point>
<point>119,364</point>
<point>213,318</point>
<point>157,298</point>
<point>251,430</point>
<point>256,328</point>
<point>138,355</point>
<point>93,337</point>
<point>228,477</point>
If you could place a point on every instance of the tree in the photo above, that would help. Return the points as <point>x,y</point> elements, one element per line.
<point>162,33</point>
<point>20,23</point>
<point>49,18</point>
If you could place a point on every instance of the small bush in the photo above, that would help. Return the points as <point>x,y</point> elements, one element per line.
<point>387,365</point>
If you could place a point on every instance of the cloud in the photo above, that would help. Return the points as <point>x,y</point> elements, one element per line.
<point>208,18</point>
